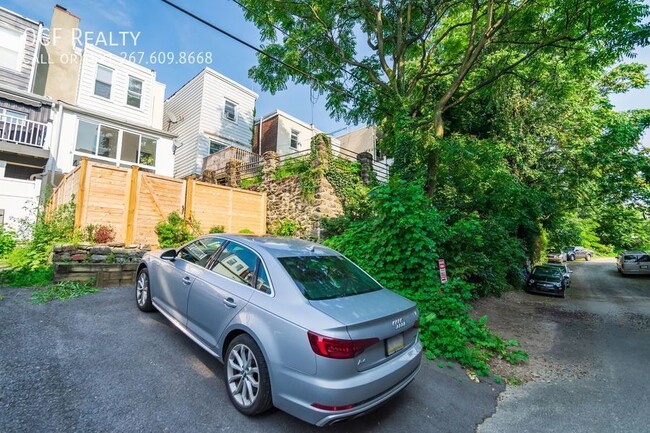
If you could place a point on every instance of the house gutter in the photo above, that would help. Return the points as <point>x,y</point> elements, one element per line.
<point>58,141</point>
<point>259,140</point>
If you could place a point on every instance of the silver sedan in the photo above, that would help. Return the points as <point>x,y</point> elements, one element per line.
<point>297,325</point>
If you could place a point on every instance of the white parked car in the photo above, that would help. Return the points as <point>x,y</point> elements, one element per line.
<point>633,262</point>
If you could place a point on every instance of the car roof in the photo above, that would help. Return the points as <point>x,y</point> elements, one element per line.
<point>280,246</point>
<point>634,253</point>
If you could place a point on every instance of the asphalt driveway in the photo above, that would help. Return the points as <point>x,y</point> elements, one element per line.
<point>97,363</point>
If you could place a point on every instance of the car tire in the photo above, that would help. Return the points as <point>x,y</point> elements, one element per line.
<point>246,373</point>
<point>588,257</point>
<point>143,291</point>
<point>571,258</point>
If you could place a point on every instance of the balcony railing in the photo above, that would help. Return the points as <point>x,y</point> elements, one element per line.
<point>217,161</point>
<point>22,131</point>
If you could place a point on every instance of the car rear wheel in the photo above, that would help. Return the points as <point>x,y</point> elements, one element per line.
<point>142,291</point>
<point>247,376</point>
<point>571,258</point>
<point>588,257</point>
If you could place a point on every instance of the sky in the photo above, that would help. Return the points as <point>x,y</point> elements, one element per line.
<point>158,28</point>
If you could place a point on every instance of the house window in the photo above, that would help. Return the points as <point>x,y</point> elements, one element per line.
<point>294,139</point>
<point>107,146</point>
<point>230,111</point>
<point>86,137</point>
<point>134,96</point>
<point>11,46</point>
<point>103,81</point>
<point>108,142</point>
<point>216,147</point>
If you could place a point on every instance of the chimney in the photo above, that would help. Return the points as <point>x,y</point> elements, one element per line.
<point>57,75</point>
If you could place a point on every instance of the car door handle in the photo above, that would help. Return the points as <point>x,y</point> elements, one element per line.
<point>187,280</point>
<point>229,302</point>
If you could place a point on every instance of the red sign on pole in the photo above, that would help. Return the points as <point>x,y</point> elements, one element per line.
<point>443,270</point>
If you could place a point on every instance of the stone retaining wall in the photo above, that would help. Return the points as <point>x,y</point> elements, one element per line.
<point>111,264</point>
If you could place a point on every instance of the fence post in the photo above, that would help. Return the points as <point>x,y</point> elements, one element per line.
<point>81,193</point>
<point>132,205</point>
<point>190,185</point>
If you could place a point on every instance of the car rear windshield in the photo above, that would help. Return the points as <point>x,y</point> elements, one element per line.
<point>328,277</point>
<point>547,273</point>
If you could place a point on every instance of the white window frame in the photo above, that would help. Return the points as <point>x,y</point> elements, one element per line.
<point>235,110</point>
<point>131,93</point>
<point>211,141</point>
<point>297,139</point>
<point>117,161</point>
<point>20,52</point>
<point>110,90</point>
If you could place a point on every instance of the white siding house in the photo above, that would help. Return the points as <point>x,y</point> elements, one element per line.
<point>209,113</point>
<point>117,118</point>
<point>25,119</point>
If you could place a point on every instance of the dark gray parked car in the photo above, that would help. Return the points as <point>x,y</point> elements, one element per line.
<point>297,325</point>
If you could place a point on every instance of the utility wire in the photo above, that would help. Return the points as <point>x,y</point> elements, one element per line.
<point>259,50</point>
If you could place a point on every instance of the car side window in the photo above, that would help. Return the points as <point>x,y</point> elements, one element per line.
<point>262,282</point>
<point>237,263</point>
<point>644,258</point>
<point>200,251</point>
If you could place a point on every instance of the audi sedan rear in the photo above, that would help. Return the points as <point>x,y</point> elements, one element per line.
<point>297,325</point>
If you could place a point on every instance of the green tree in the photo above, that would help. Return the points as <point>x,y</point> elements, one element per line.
<point>406,64</point>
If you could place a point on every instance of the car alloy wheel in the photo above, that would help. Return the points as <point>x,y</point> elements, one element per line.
<point>243,375</point>
<point>247,377</point>
<point>142,292</point>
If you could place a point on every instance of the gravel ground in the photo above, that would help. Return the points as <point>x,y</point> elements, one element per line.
<point>589,355</point>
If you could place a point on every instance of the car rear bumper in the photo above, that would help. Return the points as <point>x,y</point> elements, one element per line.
<point>296,392</point>
<point>545,290</point>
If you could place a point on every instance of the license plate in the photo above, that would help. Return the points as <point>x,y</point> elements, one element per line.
<point>393,344</point>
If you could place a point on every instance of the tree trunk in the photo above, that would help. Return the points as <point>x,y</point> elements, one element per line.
<point>434,155</point>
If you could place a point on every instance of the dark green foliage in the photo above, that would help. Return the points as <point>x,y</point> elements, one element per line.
<point>63,291</point>
<point>217,229</point>
<point>399,244</point>
<point>176,230</point>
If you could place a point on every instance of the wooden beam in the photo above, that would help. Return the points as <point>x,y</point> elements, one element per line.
<point>81,193</point>
<point>190,187</point>
<point>132,205</point>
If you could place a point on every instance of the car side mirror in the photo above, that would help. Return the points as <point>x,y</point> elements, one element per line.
<point>168,255</point>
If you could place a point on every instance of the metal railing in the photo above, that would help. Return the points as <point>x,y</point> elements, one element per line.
<point>22,131</point>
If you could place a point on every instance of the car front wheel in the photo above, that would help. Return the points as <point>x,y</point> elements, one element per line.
<point>588,257</point>
<point>143,292</point>
<point>247,376</point>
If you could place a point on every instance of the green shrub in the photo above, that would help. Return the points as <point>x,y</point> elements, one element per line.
<point>399,244</point>
<point>246,231</point>
<point>217,229</point>
<point>285,228</point>
<point>7,242</point>
<point>251,181</point>
<point>26,276</point>
<point>176,230</point>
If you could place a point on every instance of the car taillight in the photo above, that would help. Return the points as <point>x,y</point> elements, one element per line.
<point>336,348</point>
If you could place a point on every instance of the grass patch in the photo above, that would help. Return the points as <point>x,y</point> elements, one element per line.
<point>63,291</point>
<point>27,277</point>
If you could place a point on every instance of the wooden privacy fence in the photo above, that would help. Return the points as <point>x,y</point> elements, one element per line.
<point>133,202</point>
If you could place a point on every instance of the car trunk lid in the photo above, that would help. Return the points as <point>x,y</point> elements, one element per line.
<point>381,314</point>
